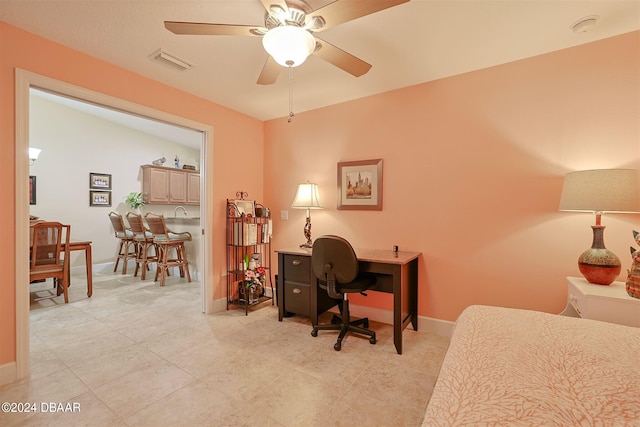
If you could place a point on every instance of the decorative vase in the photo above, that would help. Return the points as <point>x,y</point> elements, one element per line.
<point>633,280</point>
<point>254,294</point>
<point>598,264</point>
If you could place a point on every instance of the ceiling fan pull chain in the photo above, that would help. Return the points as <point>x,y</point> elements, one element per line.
<point>290,94</point>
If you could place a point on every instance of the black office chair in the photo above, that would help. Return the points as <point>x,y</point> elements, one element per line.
<point>336,266</point>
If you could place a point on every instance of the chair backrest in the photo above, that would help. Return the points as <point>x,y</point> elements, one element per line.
<point>333,259</point>
<point>156,224</point>
<point>50,240</point>
<point>136,224</point>
<point>118,224</point>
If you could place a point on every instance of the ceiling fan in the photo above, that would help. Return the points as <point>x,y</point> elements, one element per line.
<point>288,33</point>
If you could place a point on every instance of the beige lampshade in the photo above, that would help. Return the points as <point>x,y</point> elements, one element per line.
<point>307,197</point>
<point>601,190</point>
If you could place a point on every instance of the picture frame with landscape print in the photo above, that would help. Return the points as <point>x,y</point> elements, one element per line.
<point>360,185</point>
<point>99,181</point>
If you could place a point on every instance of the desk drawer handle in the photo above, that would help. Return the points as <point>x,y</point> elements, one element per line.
<point>297,291</point>
<point>296,262</point>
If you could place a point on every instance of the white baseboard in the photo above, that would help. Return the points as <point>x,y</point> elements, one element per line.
<point>8,373</point>
<point>435,326</point>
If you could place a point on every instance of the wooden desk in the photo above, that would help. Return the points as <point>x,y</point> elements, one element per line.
<point>86,247</point>
<point>397,273</point>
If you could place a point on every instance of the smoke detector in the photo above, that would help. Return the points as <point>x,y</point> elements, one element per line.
<point>585,24</point>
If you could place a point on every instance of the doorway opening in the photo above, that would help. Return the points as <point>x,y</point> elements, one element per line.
<point>25,81</point>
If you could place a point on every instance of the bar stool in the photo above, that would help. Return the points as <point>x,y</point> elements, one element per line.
<point>127,247</point>
<point>166,240</point>
<point>144,240</point>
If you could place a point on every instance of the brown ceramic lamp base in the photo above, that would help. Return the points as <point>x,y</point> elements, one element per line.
<point>599,265</point>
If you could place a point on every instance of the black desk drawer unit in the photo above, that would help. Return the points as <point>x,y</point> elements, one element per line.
<point>295,293</point>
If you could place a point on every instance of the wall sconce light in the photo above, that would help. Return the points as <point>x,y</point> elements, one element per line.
<point>307,198</point>
<point>33,155</point>
<point>600,191</point>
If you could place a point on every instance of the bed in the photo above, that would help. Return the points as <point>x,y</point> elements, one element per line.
<point>511,367</point>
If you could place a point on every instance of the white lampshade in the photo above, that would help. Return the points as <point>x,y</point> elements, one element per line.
<point>34,153</point>
<point>289,45</point>
<point>307,197</point>
<point>601,190</point>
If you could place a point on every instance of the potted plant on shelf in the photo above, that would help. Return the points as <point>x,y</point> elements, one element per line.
<point>135,199</point>
<point>254,279</point>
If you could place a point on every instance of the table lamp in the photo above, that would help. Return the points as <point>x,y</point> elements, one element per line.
<point>600,191</point>
<point>307,198</point>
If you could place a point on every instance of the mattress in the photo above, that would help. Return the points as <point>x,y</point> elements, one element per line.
<point>513,367</point>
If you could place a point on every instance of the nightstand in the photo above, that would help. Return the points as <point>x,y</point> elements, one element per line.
<point>598,302</point>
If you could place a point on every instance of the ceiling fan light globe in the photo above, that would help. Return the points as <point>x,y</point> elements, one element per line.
<point>289,45</point>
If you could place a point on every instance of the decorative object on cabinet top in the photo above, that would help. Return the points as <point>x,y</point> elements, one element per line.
<point>633,274</point>
<point>159,162</point>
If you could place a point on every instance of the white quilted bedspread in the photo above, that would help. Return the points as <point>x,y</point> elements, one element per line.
<point>512,367</point>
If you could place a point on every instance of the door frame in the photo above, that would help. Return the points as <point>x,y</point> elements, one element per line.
<point>24,80</point>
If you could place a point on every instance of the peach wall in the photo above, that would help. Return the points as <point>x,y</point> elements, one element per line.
<point>232,131</point>
<point>473,169</point>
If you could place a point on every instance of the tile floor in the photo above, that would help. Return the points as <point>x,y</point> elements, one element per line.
<point>136,354</point>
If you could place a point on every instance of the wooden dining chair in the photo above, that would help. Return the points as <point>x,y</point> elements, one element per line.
<point>144,240</point>
<point>127,247</point>
<point>50,254</point>
<point>166,240</point>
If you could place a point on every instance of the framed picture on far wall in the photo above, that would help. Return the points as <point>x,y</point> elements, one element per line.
<point>360,185</point>
<point>32,190</point>
<point>99,198</point>
<point>100,181</point>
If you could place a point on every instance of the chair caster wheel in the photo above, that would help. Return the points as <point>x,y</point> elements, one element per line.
<point>314,333</point>
<point>337,346</point>
<point>372,340</point>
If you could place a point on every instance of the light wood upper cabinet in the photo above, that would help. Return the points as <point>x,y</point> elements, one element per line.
<point>193,189</point>
<point>169,186</point>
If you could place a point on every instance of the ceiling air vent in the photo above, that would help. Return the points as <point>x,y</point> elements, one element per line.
<point>170,60</point>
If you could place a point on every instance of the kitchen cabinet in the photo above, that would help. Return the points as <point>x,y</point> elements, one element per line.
<point>170,186</point>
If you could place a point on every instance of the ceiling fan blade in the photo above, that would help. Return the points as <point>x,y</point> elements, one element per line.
<point>342,11</point>
<point>270,72</point>
<point>204,29</point>
<point>280,3</point>
<point>341,59</point>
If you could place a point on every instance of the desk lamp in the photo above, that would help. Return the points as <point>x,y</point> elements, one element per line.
<point>307,198</point>
<point>600,191</point>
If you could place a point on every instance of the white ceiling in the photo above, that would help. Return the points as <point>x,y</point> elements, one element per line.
<point>412,43</point>
<point>180,135</point>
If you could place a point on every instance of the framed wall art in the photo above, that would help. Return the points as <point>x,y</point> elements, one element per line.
<point>99,198</point>
<point>100,181</point>
<point>360,185</point>
<point>32,190</point>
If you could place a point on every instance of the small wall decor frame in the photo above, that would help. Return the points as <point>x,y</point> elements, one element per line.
<point>32,190</point>
<point>100,181</point>
<point>99,198</point>
<point>360,185</point>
